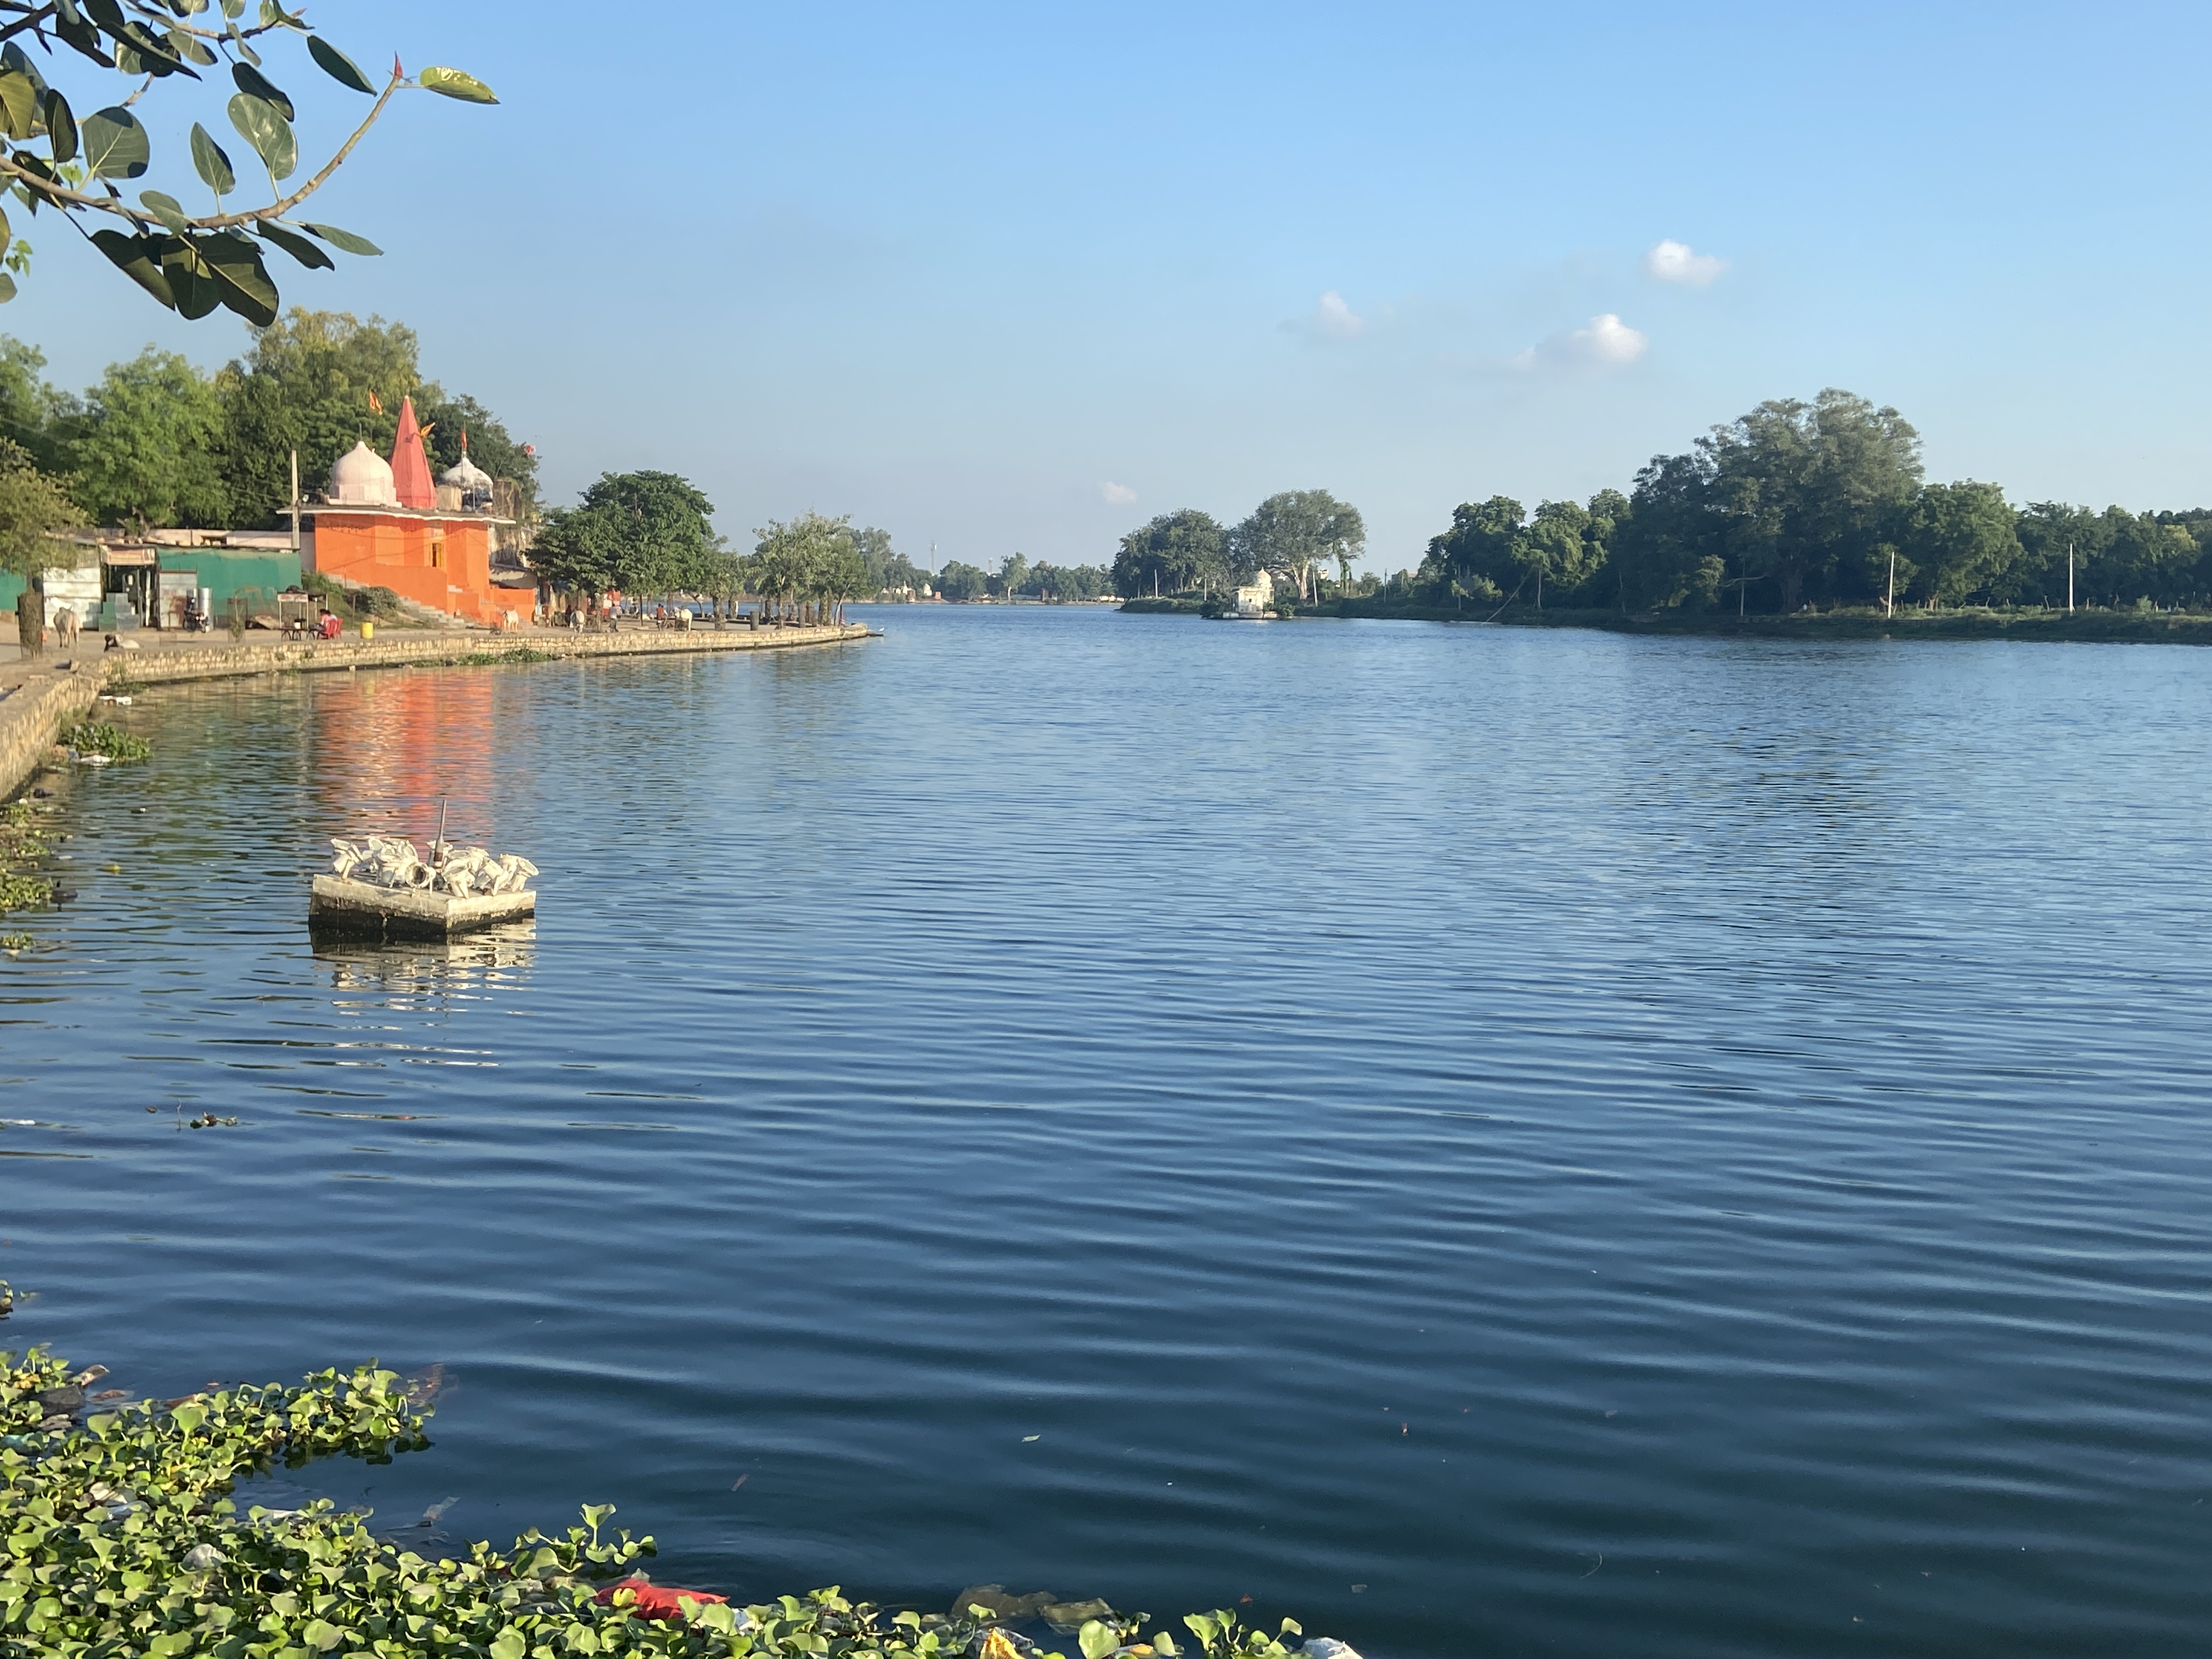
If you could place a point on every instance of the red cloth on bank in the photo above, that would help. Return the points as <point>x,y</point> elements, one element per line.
<point>656,1600</point>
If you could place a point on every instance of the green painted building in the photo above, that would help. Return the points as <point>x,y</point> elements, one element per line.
<point>147,571</point>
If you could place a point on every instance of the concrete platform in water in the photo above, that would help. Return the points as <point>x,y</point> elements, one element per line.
<point>339,906</point>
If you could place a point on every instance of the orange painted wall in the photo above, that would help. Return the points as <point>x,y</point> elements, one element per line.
<point>445,563</point>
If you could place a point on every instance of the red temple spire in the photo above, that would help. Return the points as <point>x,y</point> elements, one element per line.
<point>411,467</point>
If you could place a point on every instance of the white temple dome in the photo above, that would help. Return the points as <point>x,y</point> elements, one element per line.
<point>465,476</point>
<point>362,477</point>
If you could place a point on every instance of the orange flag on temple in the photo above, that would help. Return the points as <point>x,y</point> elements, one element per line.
<point>375,403</point>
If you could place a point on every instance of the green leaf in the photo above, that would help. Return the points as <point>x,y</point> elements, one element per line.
<point>254,83</point>
<point>343,240</point>
<point>339,67</point>
<point>1164,1644</point>
<point>191,278</point>
<point>171,212</point>
<point>135,256</point>
<point>1202,1627</point>
<point>185,47</point>
<point>19,103</point>
<point>246,290</point>
<point>61,125</point>
<point>238,45</point>
<point>214,166</point>
<point>508,1644</point>
<point>1097,1639</point>
<point>154,51</point>
<point>260,124</point>
<point>115,145</point>
<point>453,84</point>
<point>296,244</point>
<point>14,57</point>
<point>6,288</point>
<point>78,33</point>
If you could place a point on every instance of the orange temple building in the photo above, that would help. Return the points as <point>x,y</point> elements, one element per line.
<point>388,525</point>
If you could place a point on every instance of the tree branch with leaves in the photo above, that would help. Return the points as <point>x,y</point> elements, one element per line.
<point>194,263</point>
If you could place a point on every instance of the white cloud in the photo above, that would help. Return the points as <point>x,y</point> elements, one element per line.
<point>1607,342</point>
<point>1333,319</point>
<point>1674,262</point>
<point>1120,494</point>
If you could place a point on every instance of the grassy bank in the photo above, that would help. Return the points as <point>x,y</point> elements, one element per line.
<point>122,1540</point>
<point>2111,627</point>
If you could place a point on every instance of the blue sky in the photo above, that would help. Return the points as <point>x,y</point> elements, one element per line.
<point>1015,278</point>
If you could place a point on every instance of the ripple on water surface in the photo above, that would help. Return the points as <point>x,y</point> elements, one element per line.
<point>1489,1141</point>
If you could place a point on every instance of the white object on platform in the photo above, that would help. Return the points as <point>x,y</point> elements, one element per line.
<point>1327,1647</point>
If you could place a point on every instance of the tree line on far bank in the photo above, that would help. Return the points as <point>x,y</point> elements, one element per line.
<point>1296,535</point>
<point>1821,505</point>
<point>653,534</point>
<point>158,444</point>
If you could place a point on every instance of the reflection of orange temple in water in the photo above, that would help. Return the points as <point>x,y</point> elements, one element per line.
<point>391,746</point>
<point>387,524</point>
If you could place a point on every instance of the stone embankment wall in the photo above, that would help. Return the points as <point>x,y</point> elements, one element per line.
<point>35,712</point>
<point>31,715</point>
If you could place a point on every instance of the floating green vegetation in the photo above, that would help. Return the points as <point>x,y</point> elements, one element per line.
<point>519,653</point>
<point>111,742</point>
<point>14,942</point>
<point>22,892</point>
<point>122,1540</point>
<point>21,844</point>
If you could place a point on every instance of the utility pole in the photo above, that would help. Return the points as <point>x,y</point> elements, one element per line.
<point>295,503</point>
<point>2069,579</point>
<point>1889,604</point>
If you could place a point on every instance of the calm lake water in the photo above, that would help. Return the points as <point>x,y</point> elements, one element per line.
<point>1492,1142</point>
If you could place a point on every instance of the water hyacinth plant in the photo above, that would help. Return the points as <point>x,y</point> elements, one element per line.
<point>118,1537</point>
<point>110,742</point>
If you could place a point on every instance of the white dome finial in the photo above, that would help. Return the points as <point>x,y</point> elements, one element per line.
<point>362,477</point>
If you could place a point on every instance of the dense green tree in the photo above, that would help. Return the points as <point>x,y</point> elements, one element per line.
<point>874,547</point>
<point>34,507</point>
<point>1068,583</point>
<point>634,533</point>
<point>812,556</point>
<point>1173,551</point>
<point>1805,490</point>
<point>960,583</point>
<point>1014,576</point>
<point>1562,544</point>
<point>842,574</point>
<point>33,414</point>
<point>1475,558</point>
<point>318,382</point>
<point>2050,532</point>
<point>148,448</point>
<point>1960,539</point>
<point>1293,531</point>
<point>1666,551</point>
<point>68,154</point>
